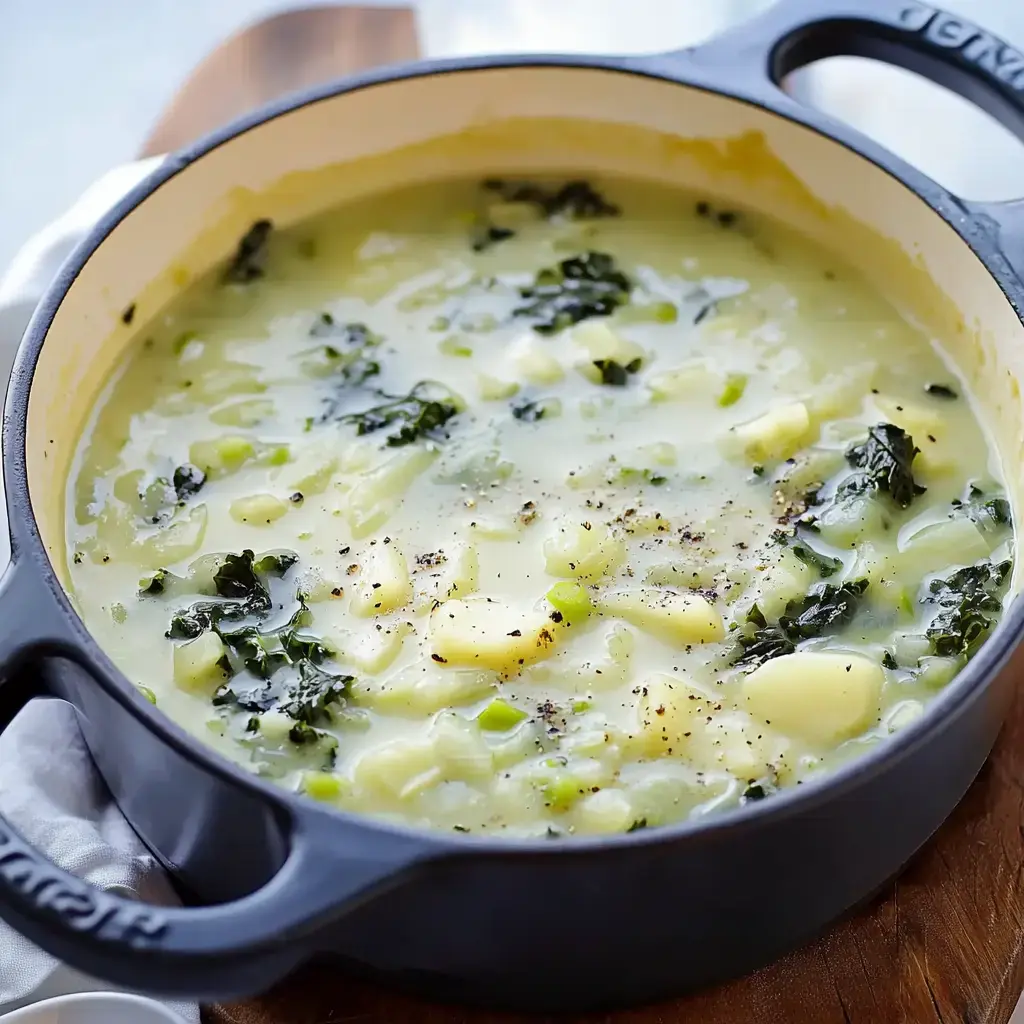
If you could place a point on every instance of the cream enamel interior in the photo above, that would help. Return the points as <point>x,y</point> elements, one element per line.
<point>606,122</point>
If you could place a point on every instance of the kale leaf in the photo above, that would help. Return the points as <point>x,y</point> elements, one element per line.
<point>187,480</point>
<point>989,514</point>
<point>421,413</point>
<point>575,200</point>
<point>885,460</point>
<point>615,373</point>
<point>241,590</point>
<point>825,609</point>
<point>351,335</point>
<point>825,565</point>
<point>941,391</point>
<point>577,289</point>
<point>250,255</point>
<point>967,603</point>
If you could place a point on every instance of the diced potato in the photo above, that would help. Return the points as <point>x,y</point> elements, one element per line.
<point>310,472</point>
<point>677,619</point>
<point>399,769</point>
<point>695,379</point>
<point>842,393</point>
<point>172,543</point>
<point>197,664</point>
<point>377,493</point>
<point>221,456</point>
<point>489,634</point>
<point>492,389</point>
<point>376,650</point>
<point>248,413</point>
<point>740,744</point>
<point>423,688</point>
<point>275,726</point>
<point>584,551</point>
<point>776,435</point>
<point>941,542</point>
<point>257,509</point>
<point>606,811</point>
<point>668,717</point>
<point>845,524</point>
<point>462,574</point>
<point>598,341</point>
<point>534,362</point>
<point>688,573</point>
<point>819,697</point>
<point>460,750</point>
<point>384,584</point>
<point>785,579</point>
<point>917,420</point>
<point>936,672</point>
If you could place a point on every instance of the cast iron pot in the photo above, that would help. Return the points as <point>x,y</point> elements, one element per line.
<point>272,879</point>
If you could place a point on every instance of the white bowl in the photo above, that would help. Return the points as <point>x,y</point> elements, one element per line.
<point>93,1008</point>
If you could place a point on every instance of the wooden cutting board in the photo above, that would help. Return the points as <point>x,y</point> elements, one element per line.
<point>943,945</point>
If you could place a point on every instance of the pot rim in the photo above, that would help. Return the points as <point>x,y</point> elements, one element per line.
<point>680,68</point>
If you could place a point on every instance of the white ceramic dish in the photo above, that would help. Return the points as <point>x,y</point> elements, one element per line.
<point>94,1008</point>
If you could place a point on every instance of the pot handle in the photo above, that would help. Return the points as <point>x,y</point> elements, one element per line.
<point>213,952</point>
<point>944,48</point>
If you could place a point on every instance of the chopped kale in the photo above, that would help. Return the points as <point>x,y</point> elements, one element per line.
<point>758,789</point>
<point>824,565</point>
<point>489,236</point>
<point>575,200</point>
<point>825,609</point>
<point>420,414</point>
<point>941,391</point>
<point>637,824</point>
<point>577,289</point>
<point>889,661</point>
<point>615,373</point>
<point>885,460</point>
<point>528,412</point>
<point>241,590</point>
<point>350,335</point>
<point>159,582</point>
<point>187,480</point>
<point>247,263</point>
<point>763,645</point>
<point>967,603</point>
<point>990,514</point>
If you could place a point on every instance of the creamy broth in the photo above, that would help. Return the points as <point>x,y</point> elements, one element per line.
<point>537,509</point>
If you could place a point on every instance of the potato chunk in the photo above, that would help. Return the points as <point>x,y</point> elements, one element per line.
<point>385,584</point>
<point>677,619</point>
<point>197,664</point>
<point>668,710</point>
<point>583,551</point>
<point>776,435</point>
<point>488,634</point>
<point>820,697</point>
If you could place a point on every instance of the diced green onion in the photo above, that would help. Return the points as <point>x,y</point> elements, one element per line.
<point>571,599</point>
<point>499,716</point>
<point>321,786</point>
<point>735,385</point>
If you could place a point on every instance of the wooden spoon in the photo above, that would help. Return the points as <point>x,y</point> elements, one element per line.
<point>284,53</point>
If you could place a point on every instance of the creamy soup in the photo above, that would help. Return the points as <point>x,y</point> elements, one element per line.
<point>537,508</point>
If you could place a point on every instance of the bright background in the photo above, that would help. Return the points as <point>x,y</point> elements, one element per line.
<point>81,81</point>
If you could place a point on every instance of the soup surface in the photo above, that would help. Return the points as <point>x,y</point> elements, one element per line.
<point>537,508</point>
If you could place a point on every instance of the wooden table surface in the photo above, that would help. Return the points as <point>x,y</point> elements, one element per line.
<point>943,945</point>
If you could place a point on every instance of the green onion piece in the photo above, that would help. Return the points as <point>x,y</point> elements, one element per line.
<point>147,693</point>
<point>735,385</point>
<point>321,786</point>
<point>571,599</point>
<point>561,793</point>
<point>499,716</point>
<point>579,706</point>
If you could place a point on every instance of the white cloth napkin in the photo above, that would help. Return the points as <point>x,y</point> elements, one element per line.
<point>49,788</point>
<point>52,794</point>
